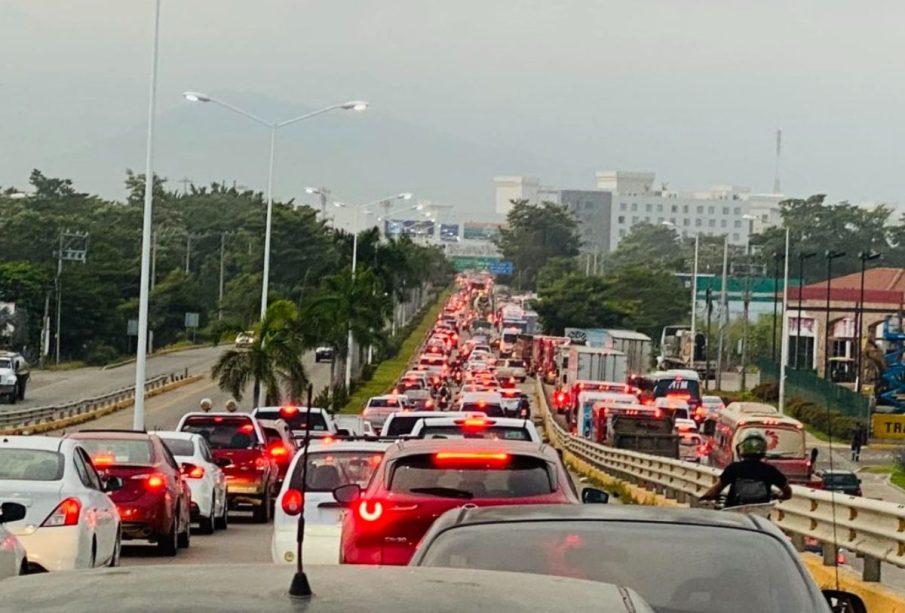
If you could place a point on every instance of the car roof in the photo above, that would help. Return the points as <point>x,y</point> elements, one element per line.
<point>318,445</point>
<point>107,434</point>
<point>432,414</point>
<point>218,414</point>
<point>176,434</point>
<point>45,443</point>
<point>508,422</point>
<point>614,513</point>
<point>300,408</point>
<point>410,447</point>
<point>337,589</point>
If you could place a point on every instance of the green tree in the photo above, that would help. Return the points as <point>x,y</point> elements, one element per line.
<point>533,235</point>
<point>654,246</point>
<point>581,302</point>
<point>654,298</point>
<point>273,361</point>
<point>555,269</point>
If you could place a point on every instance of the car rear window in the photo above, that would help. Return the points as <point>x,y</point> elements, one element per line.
<point>507,433</point>
<point>295,420</point>
<point>840,479</point>
<point>30,465</point>
<point>384,403</point>
<point>491,410</point>
<point>118,450</point>
<point>179,446</point>
<point>400,425</point>
<point>329,470</point>
<point>224,432</point>
<point>467,476</point>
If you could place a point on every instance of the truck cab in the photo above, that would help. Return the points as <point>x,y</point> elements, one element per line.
<point>14,375</point>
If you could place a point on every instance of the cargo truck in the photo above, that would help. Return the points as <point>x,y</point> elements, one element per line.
<point>642,429</point>
<point>635,345</point>
<point>591,364</point>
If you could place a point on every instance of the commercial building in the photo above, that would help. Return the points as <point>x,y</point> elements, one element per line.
<point>593,210</point>
<point>521,188</point>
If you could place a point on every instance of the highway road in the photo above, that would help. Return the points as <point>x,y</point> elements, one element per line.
<point>52,387</point>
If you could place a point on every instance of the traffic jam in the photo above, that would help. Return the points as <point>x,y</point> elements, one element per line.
<point>447,469</point>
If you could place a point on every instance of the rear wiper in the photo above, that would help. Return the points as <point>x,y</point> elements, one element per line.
<point>445,492</point>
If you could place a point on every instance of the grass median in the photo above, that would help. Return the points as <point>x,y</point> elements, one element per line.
<point>389,370</point>
<point>896,475</point>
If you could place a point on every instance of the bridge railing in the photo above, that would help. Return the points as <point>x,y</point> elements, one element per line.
<point>873,529</point>
<point>25,418</point>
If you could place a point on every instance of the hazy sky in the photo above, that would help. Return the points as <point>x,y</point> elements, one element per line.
<point>690,89</point>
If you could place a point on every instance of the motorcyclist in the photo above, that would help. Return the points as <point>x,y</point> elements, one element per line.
<point>750,480</point>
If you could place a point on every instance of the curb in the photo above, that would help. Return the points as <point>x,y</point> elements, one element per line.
<point>66,422</point>
<point>152,355</point>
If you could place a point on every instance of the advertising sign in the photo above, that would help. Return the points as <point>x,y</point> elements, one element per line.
<point>480,230</point>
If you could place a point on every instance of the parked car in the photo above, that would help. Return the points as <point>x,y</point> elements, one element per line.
<point>206,480</point>
<point>70,521</point>
<point>154,501</point>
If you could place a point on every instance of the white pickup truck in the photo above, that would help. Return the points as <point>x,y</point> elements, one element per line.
<point>14,374</point>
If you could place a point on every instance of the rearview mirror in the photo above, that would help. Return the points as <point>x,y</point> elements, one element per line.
<point>347,494</point>
<point>591,495</point>
<point>11,511</point>
<point>844,602</point>
<point>223,462</point>
<point>112,484</point>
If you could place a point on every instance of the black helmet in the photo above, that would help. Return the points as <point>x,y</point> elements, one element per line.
<point>753,445</point>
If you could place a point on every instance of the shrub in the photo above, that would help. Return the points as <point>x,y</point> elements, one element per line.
<point>768,392</point>
<point>99,354</point>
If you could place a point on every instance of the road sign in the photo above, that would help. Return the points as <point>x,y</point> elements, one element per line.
<point>191,320</point>
<point>500,268</point>
<point>132,327</point>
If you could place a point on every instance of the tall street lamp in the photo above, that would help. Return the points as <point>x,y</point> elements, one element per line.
<point>778,256</point>
<point>352,105</point>
<point>358,209</point>
<point>830,256</point>
<point>694,288</point>
<point>144,293</point>
<point>746,300</point>
<point>802,256</point>
<point>865,257</point>
<point>323,193</point>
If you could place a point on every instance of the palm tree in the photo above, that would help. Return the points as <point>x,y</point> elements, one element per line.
<point>273,361</point>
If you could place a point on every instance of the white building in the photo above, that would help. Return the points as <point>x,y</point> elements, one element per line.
<point>521,188</point>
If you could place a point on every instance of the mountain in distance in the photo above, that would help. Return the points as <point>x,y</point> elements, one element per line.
<point>359,156</point>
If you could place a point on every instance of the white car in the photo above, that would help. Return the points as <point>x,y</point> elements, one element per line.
<point>330,465</point>
<point>353,425</point>
<point>712,404</point>
<point>71,522</point>
<point>298,418</point>
<point>13,561</point>
<point>477,426</point>
<point>379,408</point>
<point>489,403</point>
<point>401,423</point>
<point>207,481</point>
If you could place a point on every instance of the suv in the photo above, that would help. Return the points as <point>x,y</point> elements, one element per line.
<point>252,475</point>
<point>298,418</point>
<point>155,501</point>
<point>14,374</point>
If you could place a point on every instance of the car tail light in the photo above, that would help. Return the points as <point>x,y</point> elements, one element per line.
<point>66,514</point>
<point>195,473</point>
<point>370,510</point>
<point>246,428</point>
<point>293,501</point>
<point>103,459</point>
<point>470,456</point>
<point>288,411</point>
<point>155,483</point>
<point>278,451</point>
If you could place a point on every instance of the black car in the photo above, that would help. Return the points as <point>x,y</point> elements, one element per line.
<point>323,354</point>
<point>843,481</point>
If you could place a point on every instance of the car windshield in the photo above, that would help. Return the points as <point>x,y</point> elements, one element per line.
<point>295,419</point>
<point>329,470</point>
<point>469,478</point>
<point>713,569</point>
<point>221,432</point>
<point>384,403</point>
<point>179,446</point>
<point>5,363</point>
<point>840,479</point>
<point>491,432</point>
<point>118,450</point>
<point>677,387</point>
<point>30,465</point>
<point>400,425</point>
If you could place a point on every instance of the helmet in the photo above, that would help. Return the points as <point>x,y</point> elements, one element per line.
<point>753,445</point>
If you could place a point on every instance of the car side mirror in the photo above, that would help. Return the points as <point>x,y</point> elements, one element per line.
<point>223,462</point>
<point>592,495</point>
<point>11,511</point>
<point>844,602</point>
<point>814,453</point>
<point>342,432</point>
<point>347,494</point>
<point>112,484</point>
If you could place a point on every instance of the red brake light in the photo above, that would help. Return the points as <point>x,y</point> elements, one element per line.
<point>288,411</point>
<point>293,501</point>
<point>155,483</point>
<point>103,459</point>
<point>195,473</point>
<point>475,423</point>
<point>246,428</point>
<point>368,512</point>
<point>469,456</point>
<point>66,514</point>
<point>429,404</point>
<point>278,451</point>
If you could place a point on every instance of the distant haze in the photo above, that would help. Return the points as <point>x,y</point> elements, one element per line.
<point>461,91</point>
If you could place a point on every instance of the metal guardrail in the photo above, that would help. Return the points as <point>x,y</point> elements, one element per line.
<point>37,415</point>
<point>873,529</point>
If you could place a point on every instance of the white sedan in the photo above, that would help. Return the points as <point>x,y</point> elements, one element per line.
<point>206,480</point>
<point>70,521</point>
<point>13,561</point>
<point>330,465</point>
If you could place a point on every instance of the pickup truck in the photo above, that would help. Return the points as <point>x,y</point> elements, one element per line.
<point>14,375</point>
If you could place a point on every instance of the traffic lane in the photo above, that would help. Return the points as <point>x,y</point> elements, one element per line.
<point>163,412</point>
<point>244,542</point>
<point>55,387</point>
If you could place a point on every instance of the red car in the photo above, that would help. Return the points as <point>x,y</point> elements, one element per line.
<point>419,480</point>
<point>155,501</point>
<point>252,476</point>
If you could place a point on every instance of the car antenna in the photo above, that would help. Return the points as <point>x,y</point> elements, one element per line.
<point>300,588</point>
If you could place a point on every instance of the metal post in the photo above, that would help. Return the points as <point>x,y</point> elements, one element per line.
<point>865,257</point>
<point>746,303</point>
<point>269,223</point>
<point>707,345</point>
<point>222,261</point>
<point>776,258</point>
<point>188,251</point>
<point>59,284</point>
<point>724,314</point>
<point>350,340</point>
<point>830,256</point>
<point>801,258</point>
<point>694,296</point>
<point>784,344</point>
<point>138,418</point>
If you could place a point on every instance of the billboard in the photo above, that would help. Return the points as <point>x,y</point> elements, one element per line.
<point>449,232</point>
<point>481,230</point>
<point>395,228</point>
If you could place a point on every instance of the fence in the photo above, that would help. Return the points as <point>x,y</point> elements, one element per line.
<point>871,528</point>
<point>806,385</point>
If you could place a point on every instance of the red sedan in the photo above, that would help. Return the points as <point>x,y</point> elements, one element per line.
<point>155,501</point>
<point>418,481</point>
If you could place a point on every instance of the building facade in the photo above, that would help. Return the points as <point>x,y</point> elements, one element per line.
<point>521,188</point>
<point>593,212</point>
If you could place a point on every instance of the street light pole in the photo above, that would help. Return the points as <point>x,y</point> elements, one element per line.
<point>801,258</point>
<point>865,257</point>
<point>830,256</point>
<point>776,259</point>
<point>724,313</point>
<point>138,416</point>
<point>784,344</point>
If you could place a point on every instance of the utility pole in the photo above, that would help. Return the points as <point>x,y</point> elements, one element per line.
<point>222,260</point>
<point>709,299</point>
<point>73,247</point>
<point>724,314</point>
